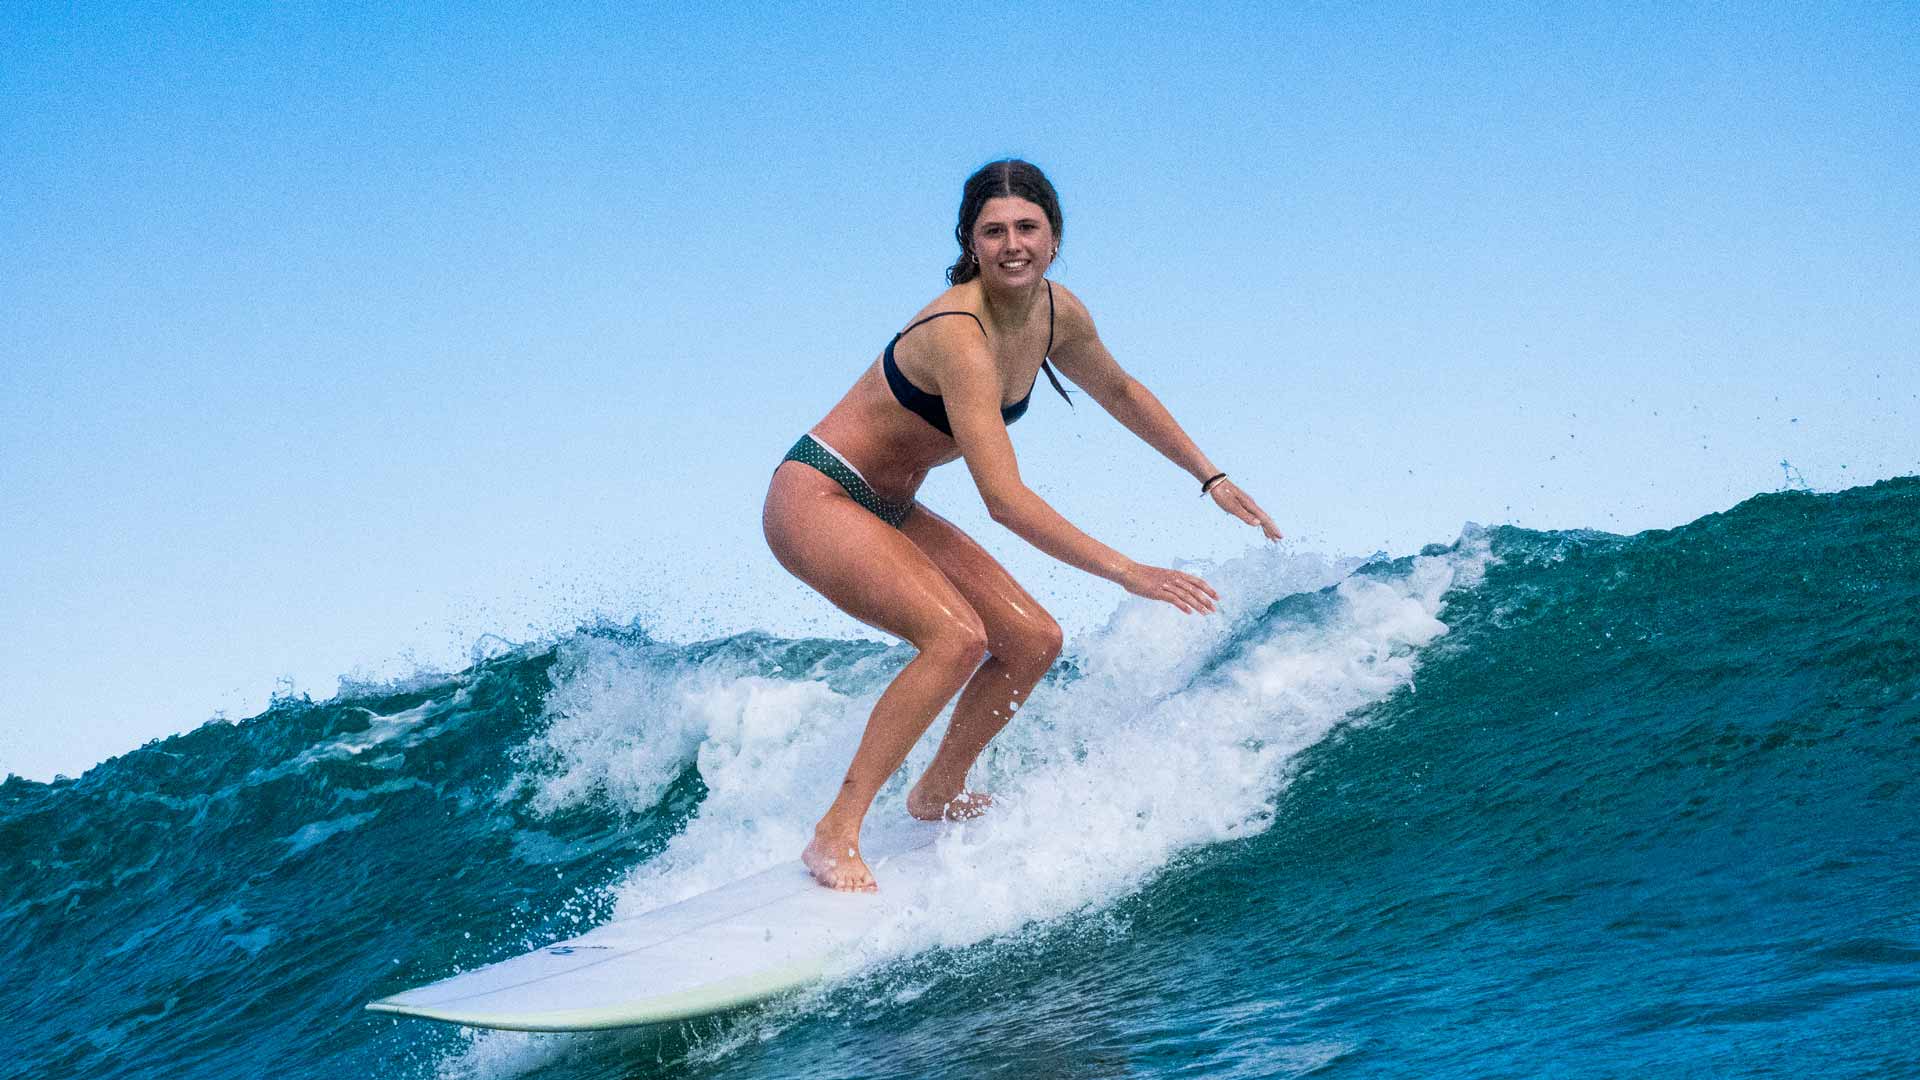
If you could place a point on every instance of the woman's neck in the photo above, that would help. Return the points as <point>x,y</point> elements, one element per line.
<point>1011,308</point>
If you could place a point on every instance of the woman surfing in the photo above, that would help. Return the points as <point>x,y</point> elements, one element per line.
<point>840,513</point>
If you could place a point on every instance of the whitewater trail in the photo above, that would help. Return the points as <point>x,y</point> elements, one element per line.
<point>1161,732</point>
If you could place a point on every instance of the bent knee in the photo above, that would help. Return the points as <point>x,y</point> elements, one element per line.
<point>1048,641</point>
<point>960,642</point>
<point>1036,646</point>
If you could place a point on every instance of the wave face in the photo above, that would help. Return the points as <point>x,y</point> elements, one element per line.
<point>1532,803</point>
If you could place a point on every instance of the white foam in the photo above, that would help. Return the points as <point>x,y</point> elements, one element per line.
<point>623,726</point>
<point>489,1054</point>
<point>1134,770</point>
<point>1177,733</point>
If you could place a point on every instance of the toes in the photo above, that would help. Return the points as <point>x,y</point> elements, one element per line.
<point>842,875</point>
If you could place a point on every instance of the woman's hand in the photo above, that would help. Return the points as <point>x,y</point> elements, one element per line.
<point>1184,591</point>
<point>1228,496</point>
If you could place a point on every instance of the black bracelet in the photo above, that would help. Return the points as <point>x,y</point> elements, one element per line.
<point>1207,488</point>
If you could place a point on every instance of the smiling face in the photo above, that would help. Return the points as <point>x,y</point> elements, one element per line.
<point>1013,241</point>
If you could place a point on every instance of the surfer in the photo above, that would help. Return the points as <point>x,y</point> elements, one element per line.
<point>840,513</point>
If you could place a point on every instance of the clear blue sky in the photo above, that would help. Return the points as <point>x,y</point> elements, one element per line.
<point>336,339</point>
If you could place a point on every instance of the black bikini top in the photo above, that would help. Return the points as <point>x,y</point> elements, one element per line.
<point>932,407</point>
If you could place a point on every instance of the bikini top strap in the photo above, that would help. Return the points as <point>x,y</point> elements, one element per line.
<point>1044,366</point>
<point>1049,351</point>
<point>937,314</point>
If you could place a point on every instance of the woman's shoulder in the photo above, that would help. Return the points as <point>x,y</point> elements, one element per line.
<point>1070,314</point>
<point>1066,301</point>
<point>962,297</point>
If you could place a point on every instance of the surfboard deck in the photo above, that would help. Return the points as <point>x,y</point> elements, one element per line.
<point>741,943</point>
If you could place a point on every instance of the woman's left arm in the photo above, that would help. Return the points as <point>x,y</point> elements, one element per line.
<point>1082,357</point>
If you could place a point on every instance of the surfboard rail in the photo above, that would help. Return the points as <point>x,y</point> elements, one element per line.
<point>739,944</point>
<point>687,1005</point>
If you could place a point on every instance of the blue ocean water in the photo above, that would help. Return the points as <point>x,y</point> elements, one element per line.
<point>1529,804</point>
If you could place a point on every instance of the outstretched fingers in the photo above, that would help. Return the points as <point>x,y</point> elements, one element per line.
<point>1188,593</point>
<point>1241,505</point>
<point>1204,598</point>
<point>1206,591</point>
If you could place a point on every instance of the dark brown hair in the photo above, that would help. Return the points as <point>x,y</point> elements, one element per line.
<point>996,179</point>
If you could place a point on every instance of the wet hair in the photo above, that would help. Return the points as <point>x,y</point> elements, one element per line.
<point>1009,176</point>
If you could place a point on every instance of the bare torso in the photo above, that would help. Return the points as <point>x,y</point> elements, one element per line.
<point>895,448</point>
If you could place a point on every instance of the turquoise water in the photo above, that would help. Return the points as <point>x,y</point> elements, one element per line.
<point>1560,804</point>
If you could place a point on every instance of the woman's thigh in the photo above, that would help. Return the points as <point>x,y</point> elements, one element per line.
<point>867,568</point>
<point>1016,624</point>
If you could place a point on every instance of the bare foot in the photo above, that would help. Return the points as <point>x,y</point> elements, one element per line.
<point>836,863</point>
<point>967,804</point>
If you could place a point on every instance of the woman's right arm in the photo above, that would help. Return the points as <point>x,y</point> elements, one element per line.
<point>970,383</point>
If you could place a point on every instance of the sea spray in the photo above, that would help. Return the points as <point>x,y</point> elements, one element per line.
<point>1163,733</point>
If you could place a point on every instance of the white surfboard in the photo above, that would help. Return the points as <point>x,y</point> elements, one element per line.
<point>738,944</point>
